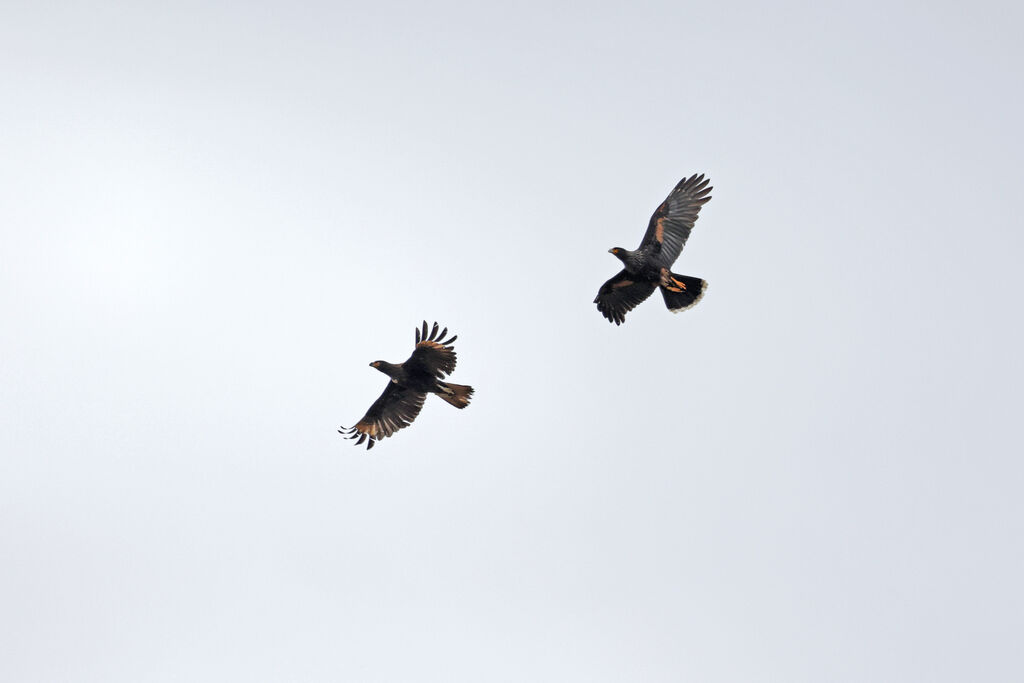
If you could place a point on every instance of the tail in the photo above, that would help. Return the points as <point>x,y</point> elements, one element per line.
<point>681,291</point>
<point>456,394</point>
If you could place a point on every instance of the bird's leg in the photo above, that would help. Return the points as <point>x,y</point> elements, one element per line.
<point>670,283</point>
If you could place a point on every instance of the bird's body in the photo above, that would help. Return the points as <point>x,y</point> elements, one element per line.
<point>648,267</point>
<point>639,263</point>
<point>411,381</point>
<point>414,377</point>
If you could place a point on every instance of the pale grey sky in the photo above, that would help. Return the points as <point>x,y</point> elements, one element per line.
<point>215,215</point>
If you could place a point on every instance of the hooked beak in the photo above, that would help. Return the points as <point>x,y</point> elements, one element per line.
<point>611,251</point>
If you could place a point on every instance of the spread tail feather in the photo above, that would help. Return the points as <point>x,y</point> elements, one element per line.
<point>456,394</point>
<point>681,291</point>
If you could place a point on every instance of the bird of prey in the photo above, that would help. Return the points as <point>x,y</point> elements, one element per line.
<point>648,266</point>
<point>411,381</point>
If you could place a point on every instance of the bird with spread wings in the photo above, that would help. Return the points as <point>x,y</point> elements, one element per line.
<point>432,359</point>
<point>648,267</point>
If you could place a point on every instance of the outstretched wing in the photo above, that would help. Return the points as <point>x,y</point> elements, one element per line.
<point>672,221</point>
<point>396,408</point>
<point>433,355</point>
<point>620,295</point>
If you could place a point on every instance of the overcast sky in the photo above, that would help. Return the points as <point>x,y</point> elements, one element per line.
<point>213,216</point>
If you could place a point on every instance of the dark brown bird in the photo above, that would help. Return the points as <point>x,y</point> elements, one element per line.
<point>411,381</point>
<point>648,266</point>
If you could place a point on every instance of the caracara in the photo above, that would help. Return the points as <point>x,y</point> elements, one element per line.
<point>648,267</point>
<point>411,381</point>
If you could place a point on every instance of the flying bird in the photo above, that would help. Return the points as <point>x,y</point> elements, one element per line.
<point>411,381</point>
<point>648,266</point>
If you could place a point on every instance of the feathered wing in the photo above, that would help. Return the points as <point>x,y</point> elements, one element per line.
<point>672,222</point>
<point>433,354</point>
<point>396,408</point>
<point>620,295</point>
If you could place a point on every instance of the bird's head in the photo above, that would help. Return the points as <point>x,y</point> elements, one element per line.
<point>376,364</point>
<point>618,252</point>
